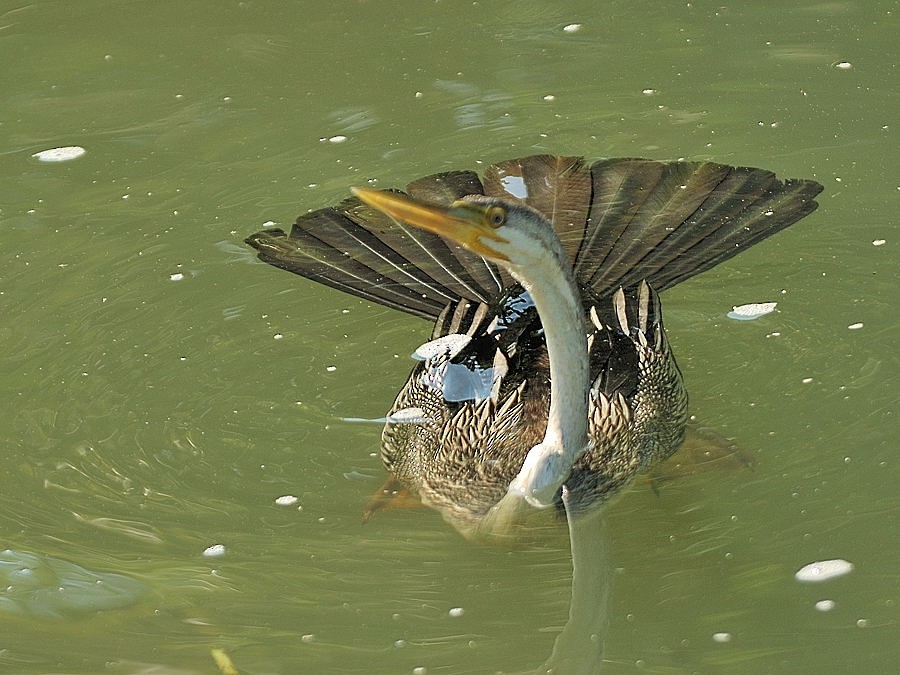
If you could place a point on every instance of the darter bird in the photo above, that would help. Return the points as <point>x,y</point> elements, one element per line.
<point>548,379</point>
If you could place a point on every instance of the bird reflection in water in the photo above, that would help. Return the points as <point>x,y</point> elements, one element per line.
<point>548,381</point>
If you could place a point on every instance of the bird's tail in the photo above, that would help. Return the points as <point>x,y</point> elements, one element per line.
<point>620,221</point>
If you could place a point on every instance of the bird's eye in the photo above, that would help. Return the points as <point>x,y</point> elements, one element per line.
<point>496,216</point>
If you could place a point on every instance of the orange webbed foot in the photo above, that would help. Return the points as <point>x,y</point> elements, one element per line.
<point>392,495</point>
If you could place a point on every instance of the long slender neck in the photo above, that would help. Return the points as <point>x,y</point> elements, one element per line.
<point>558,303</point>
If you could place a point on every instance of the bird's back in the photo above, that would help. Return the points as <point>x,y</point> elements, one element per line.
<point>478,401</point>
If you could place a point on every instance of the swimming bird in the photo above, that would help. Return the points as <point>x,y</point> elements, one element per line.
<point>548,379</point>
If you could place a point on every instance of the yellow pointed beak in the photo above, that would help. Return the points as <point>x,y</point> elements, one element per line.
<point>465,223</point>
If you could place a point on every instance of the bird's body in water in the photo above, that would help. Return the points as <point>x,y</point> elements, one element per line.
<point>548,373</point>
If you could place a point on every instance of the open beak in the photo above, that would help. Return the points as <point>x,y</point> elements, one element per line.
<point>465,223</point>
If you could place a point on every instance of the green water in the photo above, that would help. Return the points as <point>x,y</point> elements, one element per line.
<point>151,415</point>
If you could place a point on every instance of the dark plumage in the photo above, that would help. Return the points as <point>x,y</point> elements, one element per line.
<point>460,428</point>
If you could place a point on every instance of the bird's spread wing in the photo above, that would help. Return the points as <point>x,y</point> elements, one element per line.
<point>359,250</point>
<point>626,220</point>
<point>620,220</point>
<point>665,222</point>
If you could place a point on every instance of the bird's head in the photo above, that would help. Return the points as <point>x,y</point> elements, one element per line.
<point>511,234</point>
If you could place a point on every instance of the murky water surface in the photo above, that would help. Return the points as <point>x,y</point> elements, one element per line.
<point>163,390</point>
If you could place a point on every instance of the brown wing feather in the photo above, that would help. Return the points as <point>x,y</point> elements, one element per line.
<point>557,187</point>
<point>621,221</point>
<point>667,221</point>
<point>361,251</point>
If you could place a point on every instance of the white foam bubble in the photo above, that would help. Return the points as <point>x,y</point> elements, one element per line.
<point>63,154</point>
<point>751,311</point>
<point>823,570</point>
<point>214,551</point>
